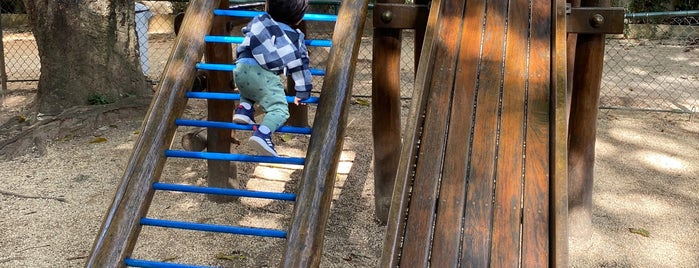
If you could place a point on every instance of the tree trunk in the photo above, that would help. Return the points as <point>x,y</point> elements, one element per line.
<point>88,52</point>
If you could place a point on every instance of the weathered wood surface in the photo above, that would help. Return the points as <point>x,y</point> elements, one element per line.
<point>305,239</point>
<point>298,114</point>
<point>468,191</point>
<point>385,107</point>
<point>117,236</point>
<point>584,105</point>
<point>222,174</point>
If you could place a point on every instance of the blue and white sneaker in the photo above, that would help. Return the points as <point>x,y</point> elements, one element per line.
<point>244,116</point>
<point>262,143</point>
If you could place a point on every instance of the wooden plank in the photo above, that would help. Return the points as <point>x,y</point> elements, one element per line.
<point>304,246</point>
<point>446,250</point>
<point>117,236</point>
<point>536,220</point>
<point>479,209</point>
<point>395,228</point>
<point>558,228</point>
<point>507,211</point>
<point>418,234</point>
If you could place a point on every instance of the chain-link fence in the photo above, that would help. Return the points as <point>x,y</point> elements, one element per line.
<point>653,65</point>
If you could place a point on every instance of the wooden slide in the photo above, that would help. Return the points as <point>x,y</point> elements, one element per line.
<point>481,180</point>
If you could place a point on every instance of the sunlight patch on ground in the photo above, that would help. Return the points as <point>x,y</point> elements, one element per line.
<point>672,253</point>
<point>633,204</point>
<point>603,149</point>
<point>627,135</point>
<point>268,178</point>
<point>662,162</point>
<point>343,168</point>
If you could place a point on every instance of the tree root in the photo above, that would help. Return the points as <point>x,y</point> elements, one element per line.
<point>33,139</point>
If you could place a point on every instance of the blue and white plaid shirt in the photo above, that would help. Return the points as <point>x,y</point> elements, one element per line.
<point>278,48</point>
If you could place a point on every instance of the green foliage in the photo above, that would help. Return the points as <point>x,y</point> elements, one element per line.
<point>97,99</point>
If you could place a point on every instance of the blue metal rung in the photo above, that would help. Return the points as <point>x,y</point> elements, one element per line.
<point>239,39</point>
<point>250,14</point>
<point>223,191</point>
<point>236,96</point>
<point>230,67</point>
<point>228,125</point>
<point>156,264</point>
<point>239,230</point>
<point>235,157</point>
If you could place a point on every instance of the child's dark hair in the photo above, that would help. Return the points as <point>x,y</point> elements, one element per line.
<point>287,11</point>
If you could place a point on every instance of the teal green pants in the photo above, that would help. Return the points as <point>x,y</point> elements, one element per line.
<point>257,85</point>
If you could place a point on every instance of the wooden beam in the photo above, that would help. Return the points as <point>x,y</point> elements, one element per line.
<point>117,236</point>
<point>558,209</point>
<point>396,15</point>
<point>221,174</point>
<point>584,107</point>
<point>385,107</point>
<point>305,239</point>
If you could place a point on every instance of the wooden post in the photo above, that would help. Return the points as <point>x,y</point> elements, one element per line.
<point>298,114</point>
<point>3,73</point>
<point>221,174</point>
<point>117,237</point>
<point>584,106</point>
<point>385,107</point>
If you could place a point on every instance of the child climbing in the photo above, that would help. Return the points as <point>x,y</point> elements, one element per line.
<point>271,48</point>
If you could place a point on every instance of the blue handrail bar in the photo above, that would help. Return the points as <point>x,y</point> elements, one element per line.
<point>229,125</point>
<point>223,191</point>
<point>230,67</point>
<point>217,228</point>
<point>239,39</point>
<point>236,157</point>
<point>156,264</point>
<point>236,96</point>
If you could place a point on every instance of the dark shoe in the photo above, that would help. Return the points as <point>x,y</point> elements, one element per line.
<point>263,143</point>
<point>244,116</point>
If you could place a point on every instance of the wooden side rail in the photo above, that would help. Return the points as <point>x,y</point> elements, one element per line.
<point>479,175</point>
<point>305,240</point>
<point>117,236</point>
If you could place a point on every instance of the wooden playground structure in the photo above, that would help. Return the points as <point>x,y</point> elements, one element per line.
<point>497,148</point>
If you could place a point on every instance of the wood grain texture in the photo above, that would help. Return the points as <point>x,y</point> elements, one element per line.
<point>558,204</point>
<point>487,183</point>
<point>418,233</point>
<point>582,131</point>
<point>385,108</point>
<point>536,196</point>
<point>395,227</point>
<point>450,211</point>
<point>117,236</point>
<point>305,238</point>
<point>507,208</point>
<point>479,205</point>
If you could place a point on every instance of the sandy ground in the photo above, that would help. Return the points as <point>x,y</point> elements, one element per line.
<point>51,207</point>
